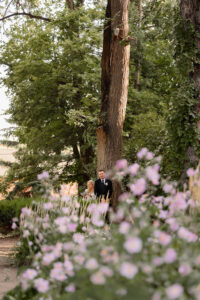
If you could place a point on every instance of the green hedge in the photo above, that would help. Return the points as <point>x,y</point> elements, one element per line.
<point>10,209</point>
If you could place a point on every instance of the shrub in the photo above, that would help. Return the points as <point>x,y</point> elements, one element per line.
<point>10,209</point>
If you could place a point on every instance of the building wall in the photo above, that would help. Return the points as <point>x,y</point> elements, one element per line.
<point>6,154</point>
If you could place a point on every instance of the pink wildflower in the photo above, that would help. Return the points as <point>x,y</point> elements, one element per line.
<point>70,288</point>
<point>133,169</point>
<point>121,164</point>
<point>174,291</point>
<point>152,175</point>
<point>106,271</point>
<point>43,175</point>
<point>164,238</point>
<point>91,264</point>
<point>149,155</point>
<point>124,227</point>
<point>141,154</point>
<point>41,285</point>
<point>98,278</point>
<point>128,270</point>
<point>133,245</point>
<point>190,172</point>
<point>170,256</point>
<point>78,238</point>
<point>187,235</point>
<point>185,269</point>
<point>139,187</point>
<point>29,274</point>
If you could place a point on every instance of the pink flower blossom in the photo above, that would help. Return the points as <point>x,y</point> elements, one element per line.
<point>72,227</point>
<point>133,169</point>
<point>26,233</point>
<point>26,211</point>
<point>133,245</point>
<point>174,291</point>
<point>69,246</point>
<point>65,198</point>
<point>70,288</point>
<point>167,188</point>
<point>68,266</point>
<point>187,235</point>
<point>102,208</point>
<point>152,175</point>
<point>139,187</point>
<point>128,270</point>
<point>123,197</point>
<point>170,256</point>
<point>48,205</point>
<point>149,155</point>
<point>185,269</point>
<point>106,271</point>
<point>98,278</point>
<point>124,227</point>
<point>142,153</point>
<point>78,238</point>
<point>41,285</point>
<point>43,175</point>
<point>48,258</point>
<point>79,259</point>
<point>58,274</point>
<point>190,172</point>
<point>121,164</point>
<point>163,214</point>
<point>157,261</point>
<point>173,224</point>
<point>14,226</point>
<point>91,264</point>
<point>164,238</point>
<point>29,274</point>
<point>156,296</point>
<point>62,229</point>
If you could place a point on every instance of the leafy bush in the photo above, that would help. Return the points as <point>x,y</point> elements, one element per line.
<point>150,251</point>
<point>10,209</point>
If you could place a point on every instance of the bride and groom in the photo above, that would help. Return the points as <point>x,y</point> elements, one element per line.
<point>101,188</point>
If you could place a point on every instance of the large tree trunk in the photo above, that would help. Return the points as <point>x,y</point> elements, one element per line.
<point>190,11</point>
<point>115,81</point>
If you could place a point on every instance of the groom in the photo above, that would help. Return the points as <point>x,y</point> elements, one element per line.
<point>103,187</point>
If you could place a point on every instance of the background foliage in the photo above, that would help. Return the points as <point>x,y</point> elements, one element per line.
<point>53,72</point>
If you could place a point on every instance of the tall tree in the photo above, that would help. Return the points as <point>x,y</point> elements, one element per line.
<point>115,81</point>
<point>190,12</point>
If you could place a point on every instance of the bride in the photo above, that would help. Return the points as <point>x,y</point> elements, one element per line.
<point>89,192</point>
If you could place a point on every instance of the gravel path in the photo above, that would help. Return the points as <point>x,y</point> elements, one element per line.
<point>8,273</point>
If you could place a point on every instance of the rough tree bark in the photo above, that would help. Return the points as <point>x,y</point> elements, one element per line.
<point>190,12</point>
<point>115,81</point>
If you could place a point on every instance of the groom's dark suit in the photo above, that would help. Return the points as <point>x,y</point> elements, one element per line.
<point>103,188</point>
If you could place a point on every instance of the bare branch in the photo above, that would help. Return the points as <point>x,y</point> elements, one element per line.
<point>25,14</point>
